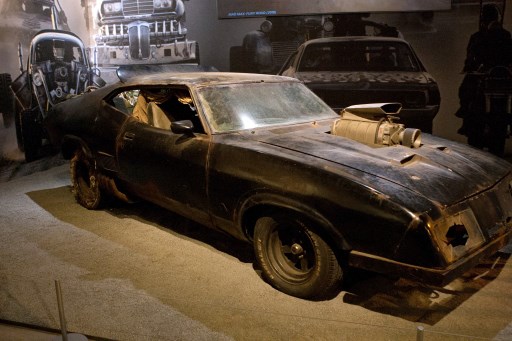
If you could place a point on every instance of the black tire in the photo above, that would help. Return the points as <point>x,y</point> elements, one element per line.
<point>6,99</point>
<point>85,181</point>
<point>31,131</point>
<point>294,259</point>
<point>17,125</point>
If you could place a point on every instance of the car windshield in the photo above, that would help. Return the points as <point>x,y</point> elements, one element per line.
<point>58,50</point>
<point>358,56</point>
<point>253,105</point>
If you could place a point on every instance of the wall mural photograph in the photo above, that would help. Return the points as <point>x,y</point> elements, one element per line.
<point>242,8</point>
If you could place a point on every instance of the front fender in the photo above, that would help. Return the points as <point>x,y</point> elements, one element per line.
<point>260,204</point>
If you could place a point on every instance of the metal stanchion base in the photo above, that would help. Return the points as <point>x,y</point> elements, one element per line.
<point>71,337</point>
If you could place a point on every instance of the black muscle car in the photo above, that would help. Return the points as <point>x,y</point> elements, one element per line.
<point>345,71</point>
<point>263,159</point>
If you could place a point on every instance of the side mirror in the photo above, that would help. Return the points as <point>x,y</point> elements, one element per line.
<point>182,127</point>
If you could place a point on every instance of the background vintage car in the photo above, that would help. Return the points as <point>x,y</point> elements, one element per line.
<point>263,159</point>
<point>354,70</point>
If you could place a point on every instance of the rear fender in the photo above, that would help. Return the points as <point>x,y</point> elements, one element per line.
<point>71,143</point>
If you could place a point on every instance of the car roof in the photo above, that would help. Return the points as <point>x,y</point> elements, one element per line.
<point>50,34</point>
<point>200,79</point>
<point>355,38</point>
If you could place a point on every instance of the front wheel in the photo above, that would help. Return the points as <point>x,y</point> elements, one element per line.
<point>85,181</point>
<point>294,259</point>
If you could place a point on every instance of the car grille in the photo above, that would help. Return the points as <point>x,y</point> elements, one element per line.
<point>137,7</point>
<point>341,98</point>
<point>138,36</point>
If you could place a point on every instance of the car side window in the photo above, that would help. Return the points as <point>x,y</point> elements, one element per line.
<point>125,101</point>
<point>159,106</point>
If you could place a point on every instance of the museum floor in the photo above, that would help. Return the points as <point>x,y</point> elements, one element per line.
<point>137,272</point>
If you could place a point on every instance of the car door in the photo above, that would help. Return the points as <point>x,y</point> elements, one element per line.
<point>166,168</point>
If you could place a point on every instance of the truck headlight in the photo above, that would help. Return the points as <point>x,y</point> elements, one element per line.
<point>110,8</point>
<point>159,4</point>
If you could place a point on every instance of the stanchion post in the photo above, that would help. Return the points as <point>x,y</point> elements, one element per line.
<point>61,311</point>
<point>419,333</point>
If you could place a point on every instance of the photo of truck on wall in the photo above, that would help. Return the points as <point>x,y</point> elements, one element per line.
<point>142,32</point>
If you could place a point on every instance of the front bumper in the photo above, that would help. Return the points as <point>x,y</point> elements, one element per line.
<point>177,52</point>
<point>439,277</point>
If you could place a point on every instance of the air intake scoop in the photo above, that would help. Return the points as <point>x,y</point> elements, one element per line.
<point>372,124</point>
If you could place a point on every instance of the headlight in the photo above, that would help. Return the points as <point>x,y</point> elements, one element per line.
<point>162,4</point>
<point>37,79</point>
<point>458,234</point>
<point>110,8</point>
<point>328,26</point>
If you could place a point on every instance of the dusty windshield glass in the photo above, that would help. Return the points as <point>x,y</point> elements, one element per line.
<point>248,106</point>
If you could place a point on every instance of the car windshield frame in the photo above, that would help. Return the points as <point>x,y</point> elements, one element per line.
<point>360,55</point>
<point>246,106</point>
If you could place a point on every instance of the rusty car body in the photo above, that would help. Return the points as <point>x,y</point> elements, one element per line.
<point>353,70</point>
<point>263,159</point>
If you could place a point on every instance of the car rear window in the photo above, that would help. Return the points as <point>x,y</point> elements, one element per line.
<point>358,56</point>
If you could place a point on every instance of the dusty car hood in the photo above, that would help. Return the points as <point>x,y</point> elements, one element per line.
<point>442,171</point>
<point>365,78</point>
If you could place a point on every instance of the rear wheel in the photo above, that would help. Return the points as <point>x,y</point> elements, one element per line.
<point>31,132</point>
<point>85,181</point>
<point>294,259</point>
<point>17,125</point>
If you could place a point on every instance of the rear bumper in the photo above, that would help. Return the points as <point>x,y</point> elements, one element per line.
<point>434,276</point>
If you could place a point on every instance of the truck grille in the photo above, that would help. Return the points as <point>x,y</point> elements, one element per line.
<point>137,7</point>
